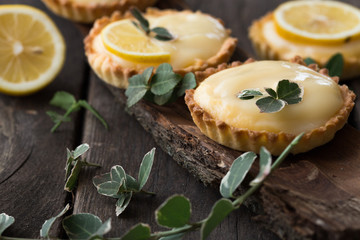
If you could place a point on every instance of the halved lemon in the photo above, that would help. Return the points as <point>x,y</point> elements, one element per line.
<point>321,22</point>
<point>32,50</point>
<point>125,40</point>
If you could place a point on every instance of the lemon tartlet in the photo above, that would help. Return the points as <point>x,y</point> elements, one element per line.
<point>87,11</point>
<point>239,124</point>
<point>200,41</point>
<point>317,30</point>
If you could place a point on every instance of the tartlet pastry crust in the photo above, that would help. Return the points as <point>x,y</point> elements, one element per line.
<point>87,13</point>
<point>265,51</point>
<point>115,74</point>
<point>249,140</point>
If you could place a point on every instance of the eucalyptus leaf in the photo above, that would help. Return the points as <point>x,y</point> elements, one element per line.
<point>221,209</point>
<point>118,175</point>
<point>162,34</point>
<point>164,81</point>
<point>100,179</point>
<point>288,91</point>
<point>56,117</point>
<point>138,232</point>
<point>73,177</point>
<point>45,229</point>
<point>63,100</point>
<point>188,82</point>
<point>5,222</point>
<point>131,183</point>
<point>137,88</point>
<point>271,92</point>
<point>143,22</point>
<point>270,104</point>
<point>236,174</point>
<point>335,65</point>
<point>84,226</point>
<point>147,75</point>
<point>80,150</point>
<point>87,106</point>
<point>122,202</point>
<point>163,99</point>
<point>249,94</point>
<point>102,230</point>
<point>110,189</point>
<point>265,166</point>
<point>145,168</point>
<point>174,212</point>
<point>309,61</point>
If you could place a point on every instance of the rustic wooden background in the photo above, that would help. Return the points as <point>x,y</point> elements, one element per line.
<point>33,159</point>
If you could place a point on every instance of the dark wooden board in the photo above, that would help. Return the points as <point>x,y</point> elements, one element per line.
<point>32,158</point>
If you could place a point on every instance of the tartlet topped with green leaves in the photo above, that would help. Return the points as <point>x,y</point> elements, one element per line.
<point>125,45</point>
<point>268,103</point>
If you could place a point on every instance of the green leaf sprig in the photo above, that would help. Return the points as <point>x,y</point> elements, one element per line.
<point>335,64</point>
<point>119,185</point>
<point>159,33</point>
<point>286,93</point>
<point>68,102</point>
<point>74,164</point>
<point>175,213</point>
<point>161,88</point>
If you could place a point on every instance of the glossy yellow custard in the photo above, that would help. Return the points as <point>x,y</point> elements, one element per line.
<point>315,29</point>
<point>219,113</point>
<point>197,38</point>
<point>217,95</point>
<point>200,41</point>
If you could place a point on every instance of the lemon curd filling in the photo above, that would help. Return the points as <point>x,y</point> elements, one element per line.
<point>198,37</point>
<point>217,95</point>
<point>288,49</point>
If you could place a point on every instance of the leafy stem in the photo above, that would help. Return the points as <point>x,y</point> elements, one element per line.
<point>161,88</point>
<point>68,102</point>
<point>335,64</point>
<point>286,93</point>
<point>160,33</point>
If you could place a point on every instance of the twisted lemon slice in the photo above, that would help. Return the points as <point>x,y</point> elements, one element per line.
<point>322,22</point>
<point>32,49</point>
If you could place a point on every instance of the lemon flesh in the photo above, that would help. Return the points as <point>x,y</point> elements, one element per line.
<point>125,40</point>
<point>322,22</point>
<point>31,50</point>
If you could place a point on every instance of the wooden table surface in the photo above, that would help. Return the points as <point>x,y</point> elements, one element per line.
<point>33,159</point>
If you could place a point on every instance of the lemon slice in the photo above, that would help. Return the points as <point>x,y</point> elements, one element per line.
<point>32,50</point>
<point>125,40</point>
<point>322,22</point>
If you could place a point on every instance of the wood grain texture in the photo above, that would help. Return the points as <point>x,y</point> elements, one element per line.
<point>32,159</point>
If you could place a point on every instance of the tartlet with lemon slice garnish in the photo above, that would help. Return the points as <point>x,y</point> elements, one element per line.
<point>32,50</point>
<point>315,29</point>
<point>117,48</point>
<point>87,11</point>
<point>226,107</point>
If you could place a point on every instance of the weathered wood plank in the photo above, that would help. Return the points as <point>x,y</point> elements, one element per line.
<point>32,159</point>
